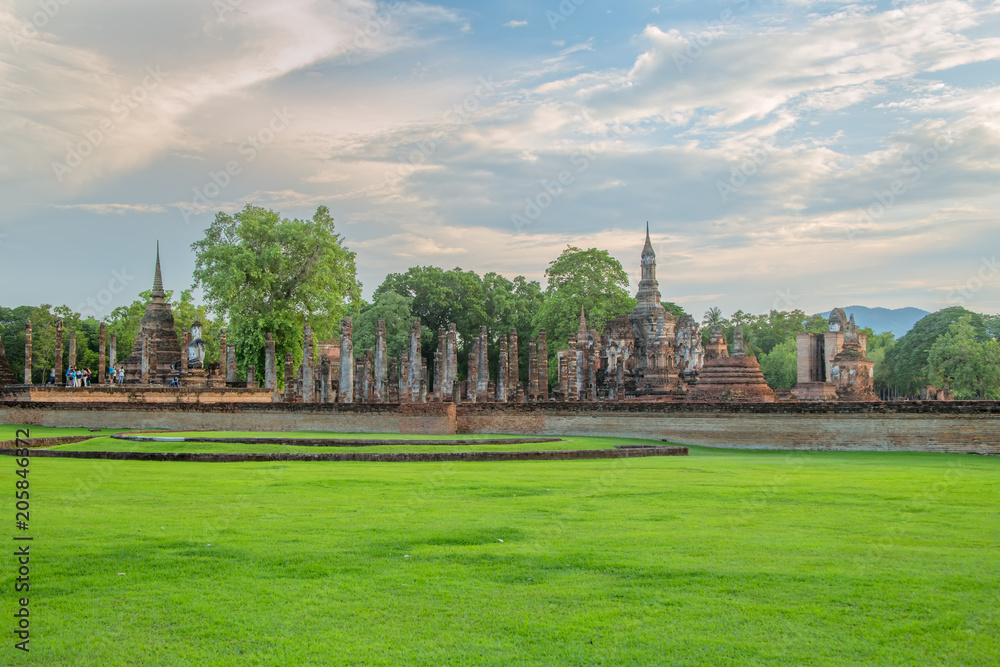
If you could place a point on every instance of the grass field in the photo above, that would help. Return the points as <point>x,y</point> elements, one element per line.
<point>723,557</point>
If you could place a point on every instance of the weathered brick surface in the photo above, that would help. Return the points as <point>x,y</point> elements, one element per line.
<point>428,418</point>
<point>133,394</point>
<point>934,426</point>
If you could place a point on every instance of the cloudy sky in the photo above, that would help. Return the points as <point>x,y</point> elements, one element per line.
<point>785,153</point>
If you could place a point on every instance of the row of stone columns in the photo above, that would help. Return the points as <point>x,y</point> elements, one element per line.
<point>102,359</point>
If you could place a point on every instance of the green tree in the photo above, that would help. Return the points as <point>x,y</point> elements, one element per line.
<point>439,297</point>
<point>395,311</point>
<point>780,365</point>
<point>963,361</point>
<point>673,308</point>
<point>906,362</point>
<point>591,280</point>
<point>264,274</point>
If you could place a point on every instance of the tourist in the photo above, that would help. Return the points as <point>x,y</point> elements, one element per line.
<point>86,377</point>
<point>121,375</point>
<point>52,377</point>
<point>70,377</point>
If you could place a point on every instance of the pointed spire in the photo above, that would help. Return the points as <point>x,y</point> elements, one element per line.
<point>157,277</point>
<point>647,250</point>
<point>583,323</point>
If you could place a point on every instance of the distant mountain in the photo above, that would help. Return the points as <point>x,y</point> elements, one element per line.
<point>896,320</point>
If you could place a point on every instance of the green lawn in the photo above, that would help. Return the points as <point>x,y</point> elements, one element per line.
<point>723,557</point>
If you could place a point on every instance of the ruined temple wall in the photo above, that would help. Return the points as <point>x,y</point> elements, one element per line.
<point>973,427</point>
<point>933,426</point>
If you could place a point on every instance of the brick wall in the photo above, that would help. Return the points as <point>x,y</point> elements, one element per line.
<point>934,426</point>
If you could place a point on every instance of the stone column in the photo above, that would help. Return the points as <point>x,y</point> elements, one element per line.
<point>113,352</point>
<point>308,369</point>
<point>72,349</point>
<point>513,362</point>
<point>289,379</point>
<point>451,364</point>
<point>483,374</point>
<point>404,381</point>
<point>441,384</point>
<point>381,364</point>
<point>581,368</point>
<point>231,363</point>
<point>60,378</point>
<point>543,366</point>
<point>251,376</point>
<point>456,392</point>
<point>102,360</point>
<point>325,368</point>
<point>270,364</point>
<point>532,371</point>
<point>473,371</point>
<point>185,343</point>
<point>423,380</point>
<point>359,380</point>
<point>502,372</point>
<point>224,356</point>
<point>393,381</point>
<point>345,392</point>
<point>369,376</point>
<point>571,371</point>
<point>563,362</point>
<point>414,353</point>
<point>27,354</point>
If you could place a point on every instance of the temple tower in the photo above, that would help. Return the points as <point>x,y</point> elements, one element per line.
<point>158,326</point>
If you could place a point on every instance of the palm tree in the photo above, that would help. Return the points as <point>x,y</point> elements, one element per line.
<point>713,316</point>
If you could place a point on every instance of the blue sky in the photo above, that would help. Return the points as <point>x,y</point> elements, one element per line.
<point>787,154</point>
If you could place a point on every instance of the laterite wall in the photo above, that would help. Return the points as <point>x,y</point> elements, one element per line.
<point>970,426</point>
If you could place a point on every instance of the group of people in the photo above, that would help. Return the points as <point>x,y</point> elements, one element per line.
<point>77,377</point>
<point>80,377</point>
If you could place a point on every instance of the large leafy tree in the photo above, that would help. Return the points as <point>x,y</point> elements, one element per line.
<point>591,280</point>
<point>906,361</point>
<point>966,362</point>
<point>267,274</point>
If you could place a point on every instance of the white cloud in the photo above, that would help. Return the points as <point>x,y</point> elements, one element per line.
<point>515,24</point>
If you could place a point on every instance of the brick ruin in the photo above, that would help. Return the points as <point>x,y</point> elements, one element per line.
<point>156,353</point>
<point>834,365</point>
<point>647,355</point>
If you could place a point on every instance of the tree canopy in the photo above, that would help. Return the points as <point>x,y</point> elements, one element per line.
<point>263,273</point>
<point>906,361</point>
<point>591,280</point>
<point>965,361</point>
